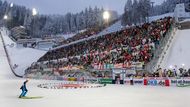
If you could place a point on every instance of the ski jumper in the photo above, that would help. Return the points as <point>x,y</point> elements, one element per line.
<point>24,90</point>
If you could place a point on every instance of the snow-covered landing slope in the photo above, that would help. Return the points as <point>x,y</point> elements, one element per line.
<point>23,57</point>
<point>5,70</point>
<point>179,52</point>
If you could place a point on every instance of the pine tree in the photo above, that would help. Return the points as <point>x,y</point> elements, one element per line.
<point>146,10</point>
<point>136,12</point>
<point>127,16</point>
<point>40,25</point>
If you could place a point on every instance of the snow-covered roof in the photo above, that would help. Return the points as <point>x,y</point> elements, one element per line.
<point>186,20</point>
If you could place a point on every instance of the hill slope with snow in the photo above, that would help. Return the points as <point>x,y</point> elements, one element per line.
<point>23,57</point>
<point>5,70</point>
<point>179,52</point>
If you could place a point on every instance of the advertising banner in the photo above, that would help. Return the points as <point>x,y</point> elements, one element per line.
<point>138,81</point>
<point>158,82</point>
<point>135,81</point>
<point>180,82</point>
<point>127,81</point>
<point>105,81</point>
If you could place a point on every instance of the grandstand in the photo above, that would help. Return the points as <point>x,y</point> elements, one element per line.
<point>115,51</point>
<point>127,49</point>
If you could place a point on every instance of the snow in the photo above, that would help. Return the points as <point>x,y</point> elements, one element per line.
<point>153,18</point>
<point>179,53</point>
<point>23,57</point>
<point>70,35</point>
<point>113,28</point>
<point>109,96</point>
<point>66,36</point>
<point>186,20</point>
<point>45,46</point>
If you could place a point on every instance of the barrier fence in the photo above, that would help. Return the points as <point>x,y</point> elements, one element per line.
<point>149,81</point>
<point>181,82</point>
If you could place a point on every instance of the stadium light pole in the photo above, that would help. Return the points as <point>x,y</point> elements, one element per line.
<point>34,13</point>
<point>5,18</point>
<point>11,8</point>
<point>7,12</point>
<point>106,17</point>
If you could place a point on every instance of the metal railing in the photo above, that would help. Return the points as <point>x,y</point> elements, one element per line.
<point>153,64</point>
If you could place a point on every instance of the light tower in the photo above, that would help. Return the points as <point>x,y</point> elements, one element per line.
<point>152,6</point>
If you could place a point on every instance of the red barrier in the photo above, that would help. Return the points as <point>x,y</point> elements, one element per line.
<point>167,82</point>
<point>145,82</point>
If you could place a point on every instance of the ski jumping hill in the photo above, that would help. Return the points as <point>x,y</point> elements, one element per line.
<point>22,57</point>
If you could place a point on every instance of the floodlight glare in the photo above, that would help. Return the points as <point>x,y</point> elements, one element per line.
<point>5,17</point>
<point>106,15</point>
<point>34,12</point>
<point>11,5</point>
<point>170,66</point>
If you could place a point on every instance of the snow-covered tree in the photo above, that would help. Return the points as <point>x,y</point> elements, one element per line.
<point>41,25</point>
<point>127,16</point>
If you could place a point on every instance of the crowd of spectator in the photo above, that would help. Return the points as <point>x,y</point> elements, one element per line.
<point>172,72</point>
<point>135,44</point>
<point>175,72</point>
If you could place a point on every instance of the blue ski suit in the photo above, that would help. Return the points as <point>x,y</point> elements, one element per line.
<point>24,90</point>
